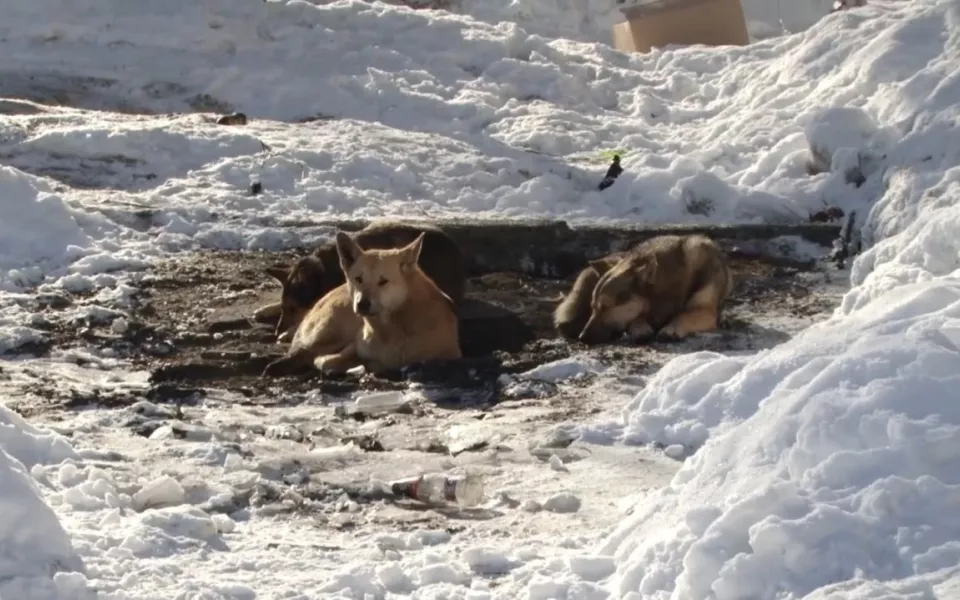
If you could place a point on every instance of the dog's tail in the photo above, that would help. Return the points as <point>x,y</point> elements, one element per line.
<point>288,365</point>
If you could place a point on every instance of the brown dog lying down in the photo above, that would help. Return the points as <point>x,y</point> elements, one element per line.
<point>669,286</point>
<point>387,315</point>
<point>311,277</point>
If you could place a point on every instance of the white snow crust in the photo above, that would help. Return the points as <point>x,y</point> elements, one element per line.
<point>37,557</point>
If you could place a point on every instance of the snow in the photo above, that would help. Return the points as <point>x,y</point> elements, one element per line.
<point>591,20</point>
<point>829,456</point>
<point>499,120</point>
<point>822,467</point>
<point>38,560</point>
<point>564,502</point>
<point>38,229</point>
<point>163,491</point>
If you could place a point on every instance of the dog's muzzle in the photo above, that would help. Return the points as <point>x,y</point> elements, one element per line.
<point>595,333</point>
<point>363,307</point>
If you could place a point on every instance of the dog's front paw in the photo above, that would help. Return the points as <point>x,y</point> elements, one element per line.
<point>327,364</point>
<point>673,331</point>
<point>640,331</point>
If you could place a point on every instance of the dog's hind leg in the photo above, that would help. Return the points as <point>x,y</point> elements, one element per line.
<point>698,316</point>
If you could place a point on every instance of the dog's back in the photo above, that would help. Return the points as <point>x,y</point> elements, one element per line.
<point>685,264</point>
<point>688,269</point>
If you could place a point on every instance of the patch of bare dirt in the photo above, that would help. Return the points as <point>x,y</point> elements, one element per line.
<point>192,330</point>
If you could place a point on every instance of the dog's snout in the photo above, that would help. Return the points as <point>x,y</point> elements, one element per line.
<point>594,334</point>
<point>363,306</point>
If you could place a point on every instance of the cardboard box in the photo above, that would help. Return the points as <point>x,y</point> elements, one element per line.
<point>657,23</point>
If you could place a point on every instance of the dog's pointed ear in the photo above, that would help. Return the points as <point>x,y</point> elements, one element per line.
<point>645,271</point>
<point>410,254</point>
<point>278,272</point>
<point>348,250</point>
<point>605,264</point>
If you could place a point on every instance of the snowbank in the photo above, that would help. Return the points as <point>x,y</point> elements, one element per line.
<point>30,445</point>
<point>828,464</point>
<point>37,559</point>
<point>581,20</point>
<point>767,18</point>
<point>436,114</point>
<point>831,456</point>
<point>37,232</point>
<point>591,20</point>
<point>171,146</point>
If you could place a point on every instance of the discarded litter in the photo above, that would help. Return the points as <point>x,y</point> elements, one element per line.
<point>437,488</point>
<point>376,403</point>
<point>612,173</point>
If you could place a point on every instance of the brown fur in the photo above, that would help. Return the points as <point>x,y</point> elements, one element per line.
<point>307,280</point>
<point>670,286</point>
<point>406,317</point>
<point>572,313</point>
<point>327,328</point>
<point>237,118</point>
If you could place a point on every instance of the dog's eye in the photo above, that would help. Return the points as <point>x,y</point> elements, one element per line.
<point>358,279</point>
<point>382,282</point>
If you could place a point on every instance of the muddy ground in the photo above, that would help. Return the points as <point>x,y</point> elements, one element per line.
<point>190,328</point>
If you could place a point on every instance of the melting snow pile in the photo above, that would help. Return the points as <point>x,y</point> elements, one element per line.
<point>829,464</point>
<point>38,233</point>
<point>591,20</point>
<point>37,559</point>
<point>37,229</point>
<point>426,113</point>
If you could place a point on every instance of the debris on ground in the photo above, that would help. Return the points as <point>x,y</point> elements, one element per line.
<point>437,488</point>
<point>831,214</point>
<point>612,173</point>
<point>237,118</point>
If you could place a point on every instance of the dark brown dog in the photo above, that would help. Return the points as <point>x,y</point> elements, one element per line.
<point>311,277</point>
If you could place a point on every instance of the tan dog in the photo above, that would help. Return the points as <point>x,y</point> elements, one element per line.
<point>406,317</point>
<point>670,286</point>
<point>313,276</point>
<point>328,327</point>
